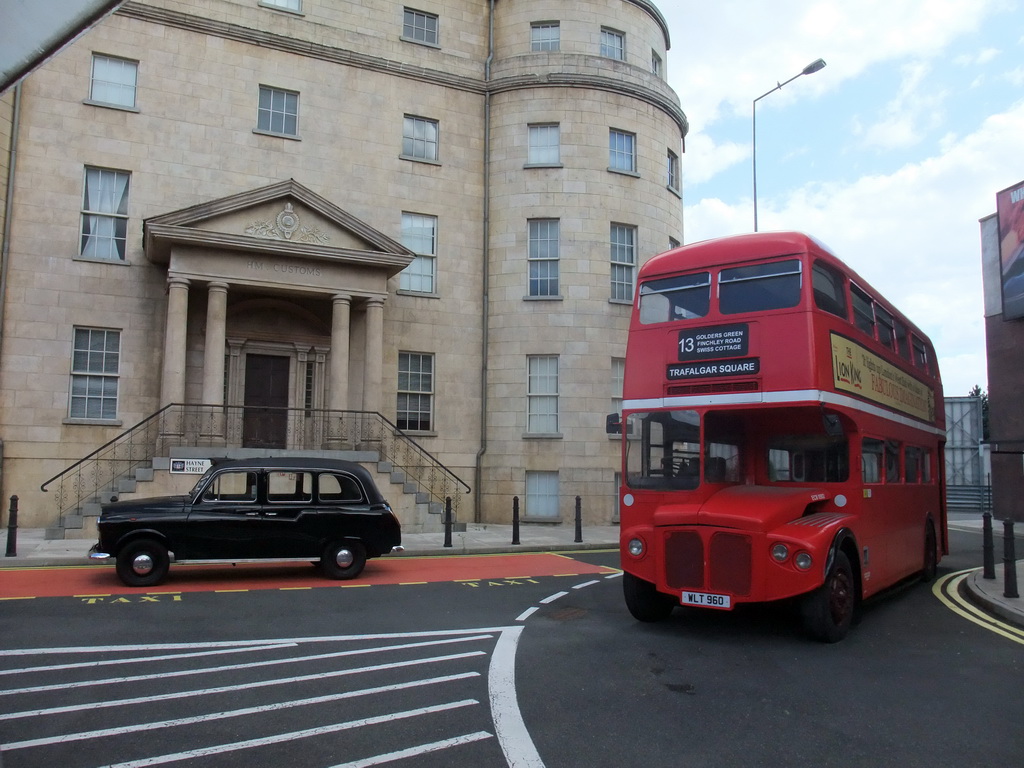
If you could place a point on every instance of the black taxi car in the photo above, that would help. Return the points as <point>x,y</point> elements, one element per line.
<point>322,510</point>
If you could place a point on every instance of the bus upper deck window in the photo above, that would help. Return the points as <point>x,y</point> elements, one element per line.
<point>759,287</point>
<point>863,315</point>
<point>920,353</point>
<point>828,289</point>
<point>675,298</point>
<point>886,327</point>
<point>902,340</point>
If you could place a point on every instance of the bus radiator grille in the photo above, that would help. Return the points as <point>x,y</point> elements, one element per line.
<point>730,556</point>
<point>684,560</point>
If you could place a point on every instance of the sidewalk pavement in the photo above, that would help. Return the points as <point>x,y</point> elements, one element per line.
<point>34,550</point>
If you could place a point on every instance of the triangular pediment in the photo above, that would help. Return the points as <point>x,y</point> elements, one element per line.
<point>284,218</point>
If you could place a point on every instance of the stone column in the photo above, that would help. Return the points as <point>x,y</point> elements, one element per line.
<point>338,385</point>
<point>216,328</point>
<point>172,384</point>
<point>372,372</point>
<point>213,363</point>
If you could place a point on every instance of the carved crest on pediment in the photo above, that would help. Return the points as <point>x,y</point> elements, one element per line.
<point>286,226</point>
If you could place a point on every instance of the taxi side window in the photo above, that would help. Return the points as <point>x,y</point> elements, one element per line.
<point>339,488</point>
<point>231,486</point>
<point>290,486</point>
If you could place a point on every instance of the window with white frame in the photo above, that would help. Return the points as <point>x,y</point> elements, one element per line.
<point>415,409</point>
<point>621,151</point>
<point>618,378</point>
<point>623,262</point>
<point>543,257</point>
<point>105,214</point>
<point>655,63</point>
<point>542,494</point>
<point>542,394</point>
<point>613,44</point>
<point>673,171</point>
<point>545,36</point>
<point>287,5</point>
<point>95,366</point>
<point>278,111</point>
<point>113,81</point>
<point>419,234</point>
<point>420,27</point>
<point>419,138</point>
<point>545,145</point>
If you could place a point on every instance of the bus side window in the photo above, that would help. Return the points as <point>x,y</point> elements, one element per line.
<point>892,461</point>
<point>920,353</point>
<point>902,340</point>
<point>829,295</point>
<point>926,466</point>
<point>886,327</point>
<point>863,316</point>
<point>871,460</point>
<point>912,463</point>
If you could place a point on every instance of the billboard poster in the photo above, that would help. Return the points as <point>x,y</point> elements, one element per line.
<point>1010,210</point>
<point>860,372</point>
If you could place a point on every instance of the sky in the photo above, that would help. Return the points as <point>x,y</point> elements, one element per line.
<point>890,155</point>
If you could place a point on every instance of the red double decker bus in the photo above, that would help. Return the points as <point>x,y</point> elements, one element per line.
<point>782,435</point>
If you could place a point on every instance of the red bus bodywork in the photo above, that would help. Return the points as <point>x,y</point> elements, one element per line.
<point>787,430</point>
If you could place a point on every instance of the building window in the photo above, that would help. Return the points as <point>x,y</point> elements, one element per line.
<point>618,377</point>
<point>419,234</point>
<point>95,362</point>
<point>415,391</point>
<point>286,5</point>
<point>621,151</point>
<point>623,261</point>
<point>543,257</point>
<point>278,112</point>
<point>613,44</point>
<point>542,494</point>
<point>420,27</point>
<point>113,81</point>
<point>419,138</point>
<point>545,142</point>
<point>542,395</point>
<point>655,64</point>
<point>545,36</point>
<point>105,214</point>
<point>673,171</point>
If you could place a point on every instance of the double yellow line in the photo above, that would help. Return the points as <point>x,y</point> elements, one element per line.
<point>947,589</point>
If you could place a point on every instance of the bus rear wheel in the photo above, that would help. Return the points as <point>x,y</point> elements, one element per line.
<point>828,611</point>
<point>931,557</point>
<point>645,602</point>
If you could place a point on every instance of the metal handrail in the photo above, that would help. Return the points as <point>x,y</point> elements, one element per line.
<point>223,429</point>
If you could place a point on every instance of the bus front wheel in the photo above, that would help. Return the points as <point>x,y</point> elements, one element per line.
<point>645,602</point>
<point>828,611</point>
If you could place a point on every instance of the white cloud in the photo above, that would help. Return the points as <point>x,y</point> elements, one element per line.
<point>704,158</point>
<point>909,113</point>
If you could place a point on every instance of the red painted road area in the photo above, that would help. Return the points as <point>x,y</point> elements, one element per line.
<point>94,581</point>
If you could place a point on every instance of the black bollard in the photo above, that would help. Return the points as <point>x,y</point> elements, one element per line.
<point>1009,561</point>
<point>12,528</point>
<point>448,521</point>
<point>579,521</point>
<point>515,519</point>
<point>987,548</point>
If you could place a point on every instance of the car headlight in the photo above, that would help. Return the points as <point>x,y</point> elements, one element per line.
<point>803,560</point>
<point>635,547</point>
<point>780,552</point>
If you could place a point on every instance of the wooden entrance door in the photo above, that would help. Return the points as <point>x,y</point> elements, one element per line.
<point>265,424</point>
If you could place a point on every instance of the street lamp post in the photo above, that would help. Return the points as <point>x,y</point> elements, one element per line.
<point>810,69</point>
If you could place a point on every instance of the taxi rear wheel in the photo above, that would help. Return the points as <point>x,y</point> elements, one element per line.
<point>143,563</point>
<point>343,560</point>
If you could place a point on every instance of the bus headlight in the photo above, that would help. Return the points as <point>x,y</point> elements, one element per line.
<point>635,547</point>
<point>780,552</point>
<point>803,560</point>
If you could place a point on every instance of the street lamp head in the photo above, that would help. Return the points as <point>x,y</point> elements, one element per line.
<point>813,67</point>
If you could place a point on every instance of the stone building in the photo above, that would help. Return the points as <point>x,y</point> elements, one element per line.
<point>407,234</point>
